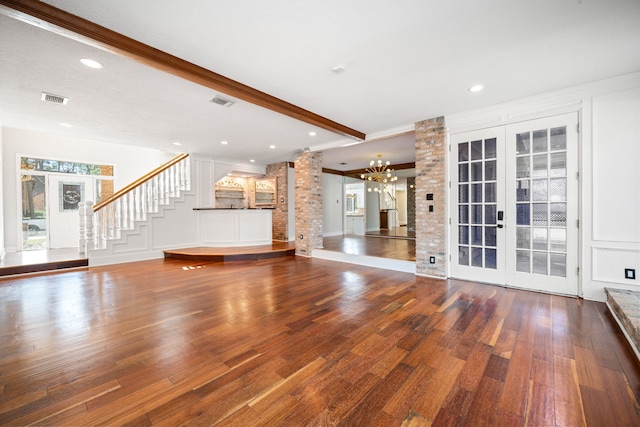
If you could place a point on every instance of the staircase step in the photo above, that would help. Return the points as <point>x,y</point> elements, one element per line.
<point>233,253</point>
<point>625,307</point>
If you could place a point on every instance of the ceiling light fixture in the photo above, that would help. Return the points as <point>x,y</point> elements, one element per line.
<point>66,125</point>
<point>476,88</point>
<point>252,160</point>
<point>378,173</point>
<point>177,143</point>
<point>312,133</point>
<point>224,142</point>
<point>338,69</point>
<point>272,147</point>
<point>92,63</point>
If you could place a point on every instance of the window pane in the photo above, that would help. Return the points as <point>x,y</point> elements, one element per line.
<point>476,193</point>
<point>490,236</point>
<point>540,238</point>
<point>490,148</point>
<point>523,239</point>
<point>522,167</point>
<point>558,189</point>
<point>463,255</point>
<point>463,152</point>
<point>490,214</point>
<point>558,240</point>
<point>540,263</point>
<point>463,214</point>
<point>476,214</point>
<point>558,164</point>
<point>463,193</point>
<point>476,171</point>
<point>540,190</point>
<point>540,214</point>
<point>476,235</point>
<point>558,265</point>
<point>523,142</point>
<point>522,190</point>
<point>523,261</point>
<point>540,165</point>
<point>463,235</point>
<point>476,150</point>
<point>476,257</point>
<point>522,214</point>
<point>490,170</point>
<point>490,192</point>
<point>463,172</point>
<point>490,258</point>
<point>559,138</point>
<point>559,214</point>
<point>540,143</point>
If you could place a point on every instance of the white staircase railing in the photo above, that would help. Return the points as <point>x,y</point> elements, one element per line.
<point>106,220</point>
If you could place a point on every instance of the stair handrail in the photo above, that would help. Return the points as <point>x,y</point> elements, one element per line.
<point>138,182</point>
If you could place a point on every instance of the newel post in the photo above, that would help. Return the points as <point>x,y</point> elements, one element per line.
<point>89,227</point>
<point>82,227</point>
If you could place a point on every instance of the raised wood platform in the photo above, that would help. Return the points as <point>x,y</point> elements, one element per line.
<point>624,305</point>
<point>29,262</point>
<point>235,253</point>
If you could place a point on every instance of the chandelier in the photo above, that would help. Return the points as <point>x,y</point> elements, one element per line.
<point>380,173</point>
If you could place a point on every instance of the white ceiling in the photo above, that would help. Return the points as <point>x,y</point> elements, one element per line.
<point>404,60</point>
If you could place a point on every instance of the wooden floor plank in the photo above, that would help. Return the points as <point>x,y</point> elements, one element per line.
<point>298,341</point>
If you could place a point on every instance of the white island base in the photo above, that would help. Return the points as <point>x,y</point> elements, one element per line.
<point>234,227</point>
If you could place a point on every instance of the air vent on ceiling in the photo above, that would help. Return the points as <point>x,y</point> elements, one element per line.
<point>56,99</point>
<point>222,101</point>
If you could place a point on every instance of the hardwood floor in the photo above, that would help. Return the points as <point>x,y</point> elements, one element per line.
<point>296,341</point>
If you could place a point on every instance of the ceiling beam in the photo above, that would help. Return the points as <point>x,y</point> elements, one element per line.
<point>63,23</point>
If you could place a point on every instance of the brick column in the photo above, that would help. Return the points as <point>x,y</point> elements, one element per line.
<point>431,229</point>
<point>280,212</point>
<point>308,174</point>
<point>411,204</point>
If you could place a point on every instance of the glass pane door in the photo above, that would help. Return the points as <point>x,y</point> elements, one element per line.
<point>477,229</point>
<point>542,254</point>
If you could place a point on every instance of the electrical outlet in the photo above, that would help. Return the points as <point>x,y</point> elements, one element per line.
<point>432,260</point>
<point>630,273</point>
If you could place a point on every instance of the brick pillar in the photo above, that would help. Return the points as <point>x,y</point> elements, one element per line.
<point>281,211</point>
<point>431,230</point>
<point>308,174</point>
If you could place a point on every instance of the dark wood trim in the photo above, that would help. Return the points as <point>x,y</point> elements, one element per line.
<point>333,171</point>
<point>355,173</point>
<point>63,23</point>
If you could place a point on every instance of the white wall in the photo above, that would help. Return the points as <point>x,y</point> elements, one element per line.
<point>130,163</point>
<point>332,204</point>
<point>609,196</point>
<point>2,246</point>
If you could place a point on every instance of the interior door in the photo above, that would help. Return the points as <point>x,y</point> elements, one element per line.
<point>67,191</point>
<point>542,198</point>
<point>514,198</point>
<point>477,189</point>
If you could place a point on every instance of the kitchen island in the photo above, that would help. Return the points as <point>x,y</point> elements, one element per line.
<point>220,227</point>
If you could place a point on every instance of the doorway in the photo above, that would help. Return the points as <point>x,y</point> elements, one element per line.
<point>514,205</point>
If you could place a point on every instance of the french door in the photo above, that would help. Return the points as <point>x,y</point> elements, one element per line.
<point>514,198</point>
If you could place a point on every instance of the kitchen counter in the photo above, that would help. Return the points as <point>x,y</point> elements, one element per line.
<point>220,227</point>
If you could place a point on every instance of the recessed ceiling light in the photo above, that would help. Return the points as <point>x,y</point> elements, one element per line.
<point>272,146</point>
<point>252,161</point>
<point>224,142</point>
<point>338,69</point>
<point>177,143</point>
<point>476,88</point>
<point>66,125</point>
<point>312,133</point>
<point>91,63</point>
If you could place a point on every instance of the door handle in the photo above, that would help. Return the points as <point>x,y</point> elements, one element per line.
<point>500,226</point>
